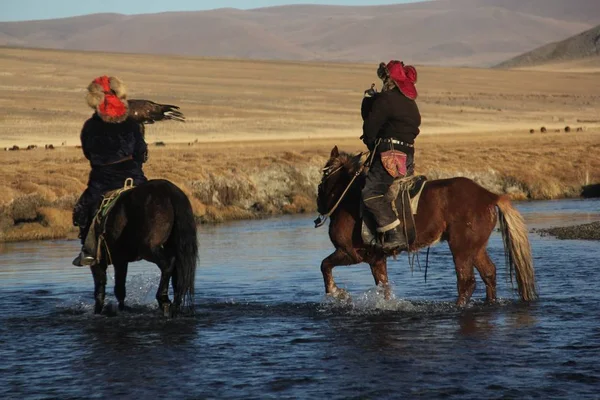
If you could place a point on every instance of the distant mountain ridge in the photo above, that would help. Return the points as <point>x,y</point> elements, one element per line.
<point>438,32</point>
<point>580,46</point>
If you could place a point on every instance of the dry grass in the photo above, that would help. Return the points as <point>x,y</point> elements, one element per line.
<point>244,180</point>
<point>264,130</point>
<point>41,97</point>
<point>584,65</point>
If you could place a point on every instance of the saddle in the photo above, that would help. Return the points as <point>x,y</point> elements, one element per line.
<point>95,238</point>
<point>404,194</point>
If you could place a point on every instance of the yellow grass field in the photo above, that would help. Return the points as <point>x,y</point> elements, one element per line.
<point>260,131</point>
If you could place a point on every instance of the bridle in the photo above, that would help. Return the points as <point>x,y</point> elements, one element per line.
<point>321,219</point>
<point>328,174</point>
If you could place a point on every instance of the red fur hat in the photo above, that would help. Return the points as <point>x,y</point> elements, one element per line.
<point>108,96</point>
<point>404,76</point>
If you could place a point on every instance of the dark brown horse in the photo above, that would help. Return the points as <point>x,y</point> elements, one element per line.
<point>153,221</point>
<point>455,210</point>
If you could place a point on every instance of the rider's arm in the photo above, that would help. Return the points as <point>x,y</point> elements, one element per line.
<point>366,106</point>
<point>86,142</point>
<point>375,121</point>
<point>140,150</point>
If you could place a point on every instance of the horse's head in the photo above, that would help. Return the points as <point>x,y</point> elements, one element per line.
<point>337,173</point>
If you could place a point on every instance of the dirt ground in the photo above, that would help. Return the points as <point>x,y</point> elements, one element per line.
<point>42,97</point>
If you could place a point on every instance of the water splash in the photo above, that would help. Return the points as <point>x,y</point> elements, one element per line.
<point>141,289</point>
<point>370,302</point>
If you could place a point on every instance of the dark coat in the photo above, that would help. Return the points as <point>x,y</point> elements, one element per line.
<point>105,143</point>
<point>116,152</point>
<point>390,114</point>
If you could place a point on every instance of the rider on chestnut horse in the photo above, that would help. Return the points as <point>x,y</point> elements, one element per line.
<point>391,124</point>
<point>456,210</point>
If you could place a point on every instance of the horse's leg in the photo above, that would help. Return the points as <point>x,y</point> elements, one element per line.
<point>465,274</point>
<point>487,271</point>
<point>338,257</point>
<point>99,274</point>
<point>379,271</point>
<point>120,278</point>
<point>166,266</point>
<point>176,295</point>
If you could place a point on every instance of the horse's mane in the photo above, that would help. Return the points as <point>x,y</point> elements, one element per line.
<point>351,162</point>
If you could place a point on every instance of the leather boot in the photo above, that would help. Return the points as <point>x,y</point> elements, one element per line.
<point>86,257</point>
<point>394,239</point>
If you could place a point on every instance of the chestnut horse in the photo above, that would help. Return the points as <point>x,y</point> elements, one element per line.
<point>456,210</point>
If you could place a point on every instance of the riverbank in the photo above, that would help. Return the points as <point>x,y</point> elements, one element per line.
<point>255,179</point>
<point>257,133</point>
<point>589,231</point>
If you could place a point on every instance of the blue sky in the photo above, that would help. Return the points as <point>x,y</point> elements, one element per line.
<point>18,10</point>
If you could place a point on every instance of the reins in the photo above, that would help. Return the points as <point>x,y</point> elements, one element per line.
<point>321,219</point>
<point>101,218</point>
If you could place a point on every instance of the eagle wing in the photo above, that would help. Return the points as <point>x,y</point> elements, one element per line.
<point>148,112</point>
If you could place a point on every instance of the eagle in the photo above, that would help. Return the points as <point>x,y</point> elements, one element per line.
<point>148,112</point>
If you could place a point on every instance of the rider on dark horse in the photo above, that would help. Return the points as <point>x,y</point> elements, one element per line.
<point>115,146</point>
<point>391,124</point>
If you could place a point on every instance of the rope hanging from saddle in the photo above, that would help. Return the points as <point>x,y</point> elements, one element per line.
<point>108,202</point>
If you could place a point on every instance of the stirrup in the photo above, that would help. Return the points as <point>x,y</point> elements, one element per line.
<point>396,246</point>
<point>84,259</point>
<point>400,243</point>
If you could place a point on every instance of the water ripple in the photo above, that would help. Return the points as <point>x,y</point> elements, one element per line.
<point>264,329</point>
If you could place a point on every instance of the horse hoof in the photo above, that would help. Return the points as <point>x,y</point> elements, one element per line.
<point>461,303</point>
<point>340,294</point>
<point>121,306</point>
<point>174,310</point>
<point>166,309</point>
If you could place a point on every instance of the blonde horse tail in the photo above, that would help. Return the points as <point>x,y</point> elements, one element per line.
<point>517,249</point>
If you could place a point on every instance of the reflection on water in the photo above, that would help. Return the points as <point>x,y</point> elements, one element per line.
<point>553,213</point>
<point>263,328</point>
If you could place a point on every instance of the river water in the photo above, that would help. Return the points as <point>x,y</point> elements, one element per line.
<point>263,328</point>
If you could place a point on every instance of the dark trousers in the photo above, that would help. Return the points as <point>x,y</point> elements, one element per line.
<point>377,184</point>
<point>101,180</point>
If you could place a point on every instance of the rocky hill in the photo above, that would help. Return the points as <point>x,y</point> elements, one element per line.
<point>581,46</point>
<point>440,32</point>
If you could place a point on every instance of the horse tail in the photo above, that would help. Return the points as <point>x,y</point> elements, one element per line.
<point>517,249</point>
<point>185,242</point>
